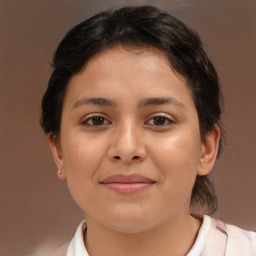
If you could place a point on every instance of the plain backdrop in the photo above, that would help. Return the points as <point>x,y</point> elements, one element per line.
<point>36,209</point>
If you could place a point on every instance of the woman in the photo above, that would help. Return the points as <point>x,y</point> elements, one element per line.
<point>132,115</point>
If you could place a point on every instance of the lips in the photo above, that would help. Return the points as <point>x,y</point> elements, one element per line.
<point>127,184</point>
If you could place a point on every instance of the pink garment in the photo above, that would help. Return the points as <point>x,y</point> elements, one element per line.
<point>228,240</point>
<point>222,240</point>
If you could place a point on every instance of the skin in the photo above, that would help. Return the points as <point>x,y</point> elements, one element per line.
<point>130,140</point>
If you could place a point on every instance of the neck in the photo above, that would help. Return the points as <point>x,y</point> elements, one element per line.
<point>175,237</point>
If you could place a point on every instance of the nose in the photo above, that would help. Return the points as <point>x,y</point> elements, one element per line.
<point>127,145</point>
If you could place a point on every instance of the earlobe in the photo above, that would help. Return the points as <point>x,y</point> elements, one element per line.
<point>209,152</point>
<point>57,156</point>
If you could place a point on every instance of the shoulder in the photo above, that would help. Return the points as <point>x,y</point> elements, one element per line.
<point>75,246</point>
<point>240,241</point>
<point>235,240</point>
<point>62,250</point>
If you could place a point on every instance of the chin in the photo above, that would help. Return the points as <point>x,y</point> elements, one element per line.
<point>131,220</point>
<point>131,227</point>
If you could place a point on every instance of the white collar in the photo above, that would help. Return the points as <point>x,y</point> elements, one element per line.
<point>77,247</point>
<point>201,237</point>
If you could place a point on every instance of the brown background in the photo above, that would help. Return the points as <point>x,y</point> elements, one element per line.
<point>37,211</point>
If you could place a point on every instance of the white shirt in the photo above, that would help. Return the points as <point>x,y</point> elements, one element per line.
<point>215,238</point>
<point>77,247</point>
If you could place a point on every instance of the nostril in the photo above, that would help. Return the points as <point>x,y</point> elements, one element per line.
<point>117,157</point>
<point>135,157</point>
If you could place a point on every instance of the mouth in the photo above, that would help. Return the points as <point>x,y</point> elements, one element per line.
<point>127,184</point>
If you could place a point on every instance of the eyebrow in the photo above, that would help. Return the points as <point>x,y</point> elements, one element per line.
<point>160,101</point>
<point>142,103</point>
<point>95,101</point>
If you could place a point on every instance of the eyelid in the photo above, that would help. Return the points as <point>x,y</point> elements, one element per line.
<point>88,117</point>
<point>166,116</point>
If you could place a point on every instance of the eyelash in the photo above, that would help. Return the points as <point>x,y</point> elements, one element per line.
<point>89,121</point>
<point>167,121</point>
<point>93,118</point>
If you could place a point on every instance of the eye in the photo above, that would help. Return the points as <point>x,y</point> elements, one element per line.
<point>95,121</point>
<point>159,121</point>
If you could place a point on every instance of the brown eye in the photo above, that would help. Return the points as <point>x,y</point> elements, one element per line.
<point>159,120</point>
<point>95,121</point>
<point>98,120</point>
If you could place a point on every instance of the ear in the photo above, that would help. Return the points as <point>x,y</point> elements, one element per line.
<point>57,155</point>
<point>209,152</point>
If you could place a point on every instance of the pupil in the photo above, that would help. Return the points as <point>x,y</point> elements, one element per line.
<point>159,120</point>
<point>98,120</point>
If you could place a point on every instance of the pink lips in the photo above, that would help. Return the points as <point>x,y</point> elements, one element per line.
<point>127,184</point>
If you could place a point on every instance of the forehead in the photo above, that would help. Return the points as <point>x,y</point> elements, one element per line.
<point>147,70</point>
<point>152,59</point>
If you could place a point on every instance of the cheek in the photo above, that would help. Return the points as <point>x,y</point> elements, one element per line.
<point>82,154</point>
<point>82,158</point>
<point>177,158</point>
<point>181,149</point>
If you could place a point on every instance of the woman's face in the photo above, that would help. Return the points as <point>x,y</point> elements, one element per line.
<point>130,145</point>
